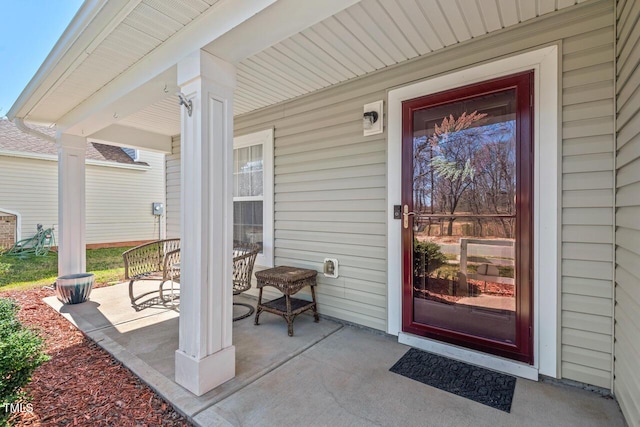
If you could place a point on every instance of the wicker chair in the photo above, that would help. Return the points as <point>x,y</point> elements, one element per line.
<point>151,261</point>
<point>244,257</point>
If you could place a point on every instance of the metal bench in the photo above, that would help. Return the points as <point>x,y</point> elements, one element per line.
<point>151,261</point>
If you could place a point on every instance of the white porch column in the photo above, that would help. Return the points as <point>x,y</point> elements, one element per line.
<point>205,357</point>
<point>71,204</point>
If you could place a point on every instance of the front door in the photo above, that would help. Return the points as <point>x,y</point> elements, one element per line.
<point>467,216</point>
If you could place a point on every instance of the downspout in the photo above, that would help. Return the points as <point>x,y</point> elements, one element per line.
<point>19,122</point>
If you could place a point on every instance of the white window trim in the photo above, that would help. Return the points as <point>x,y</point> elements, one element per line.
<point>265,138</point>
<point>546,262</point>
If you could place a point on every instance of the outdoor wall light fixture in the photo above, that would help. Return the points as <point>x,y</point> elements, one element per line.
<point>372,118</point>
<point>186,102</point>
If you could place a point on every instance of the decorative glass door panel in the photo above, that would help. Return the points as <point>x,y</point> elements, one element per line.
<point>466,227</point>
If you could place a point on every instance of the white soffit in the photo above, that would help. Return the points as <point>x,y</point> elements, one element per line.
<point>371,35</point>
<point>146,27</point>
<point>363,38</point>
<point>162,117</point>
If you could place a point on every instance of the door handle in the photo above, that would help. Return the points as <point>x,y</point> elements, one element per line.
<point>405,216</point>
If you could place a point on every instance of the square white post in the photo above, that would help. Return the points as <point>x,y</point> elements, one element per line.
<point>205,357</point>
<point>71,204</point>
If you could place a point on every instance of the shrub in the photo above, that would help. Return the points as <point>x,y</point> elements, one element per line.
<point>21,352</point>
<point>433,257</point>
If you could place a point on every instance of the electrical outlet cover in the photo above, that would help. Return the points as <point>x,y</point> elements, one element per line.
<point>330,268</point>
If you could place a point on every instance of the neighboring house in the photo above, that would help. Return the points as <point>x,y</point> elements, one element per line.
<point>122,184</point>
<point>310,177</point>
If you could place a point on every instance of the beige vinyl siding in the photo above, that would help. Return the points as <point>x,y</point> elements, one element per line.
<point>330,202</point>
<point>172,208</point>
<point>330,181</point>
<point>30,188</point>
<point>118,200</point>
<point>322,158</point>
<point>587,201</point>
<point>627,313</point>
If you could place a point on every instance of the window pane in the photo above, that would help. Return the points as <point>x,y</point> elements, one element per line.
<point>464,190</point>
<point>247,222</point>
<point>247,171</point>
<point>256,170</point>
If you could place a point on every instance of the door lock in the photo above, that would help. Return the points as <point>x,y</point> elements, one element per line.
<point>405,215</point>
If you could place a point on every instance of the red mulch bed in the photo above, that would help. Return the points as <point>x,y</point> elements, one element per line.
<point>82,385</point>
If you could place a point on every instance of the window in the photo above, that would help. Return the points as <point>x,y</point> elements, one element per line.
<point>253,192</point>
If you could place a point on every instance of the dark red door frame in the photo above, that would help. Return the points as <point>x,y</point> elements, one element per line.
<point>522,349</point>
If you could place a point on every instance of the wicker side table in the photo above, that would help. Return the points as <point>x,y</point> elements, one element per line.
<point>288,280</point>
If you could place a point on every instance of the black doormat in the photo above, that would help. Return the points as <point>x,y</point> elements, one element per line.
<point>482,385</point>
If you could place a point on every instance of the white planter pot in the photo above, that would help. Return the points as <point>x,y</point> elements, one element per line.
<point>74,288</point>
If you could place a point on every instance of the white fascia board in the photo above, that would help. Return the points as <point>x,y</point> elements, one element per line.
<point>115,165</point>
<point>124,136</point>
<point>91,24</point>
<point>54,158</point>
<point>274,24</point>
<point>213,23</point>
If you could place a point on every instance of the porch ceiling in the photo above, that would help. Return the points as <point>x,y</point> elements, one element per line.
<point>162,117</point>
<point>135,28</point>
<point>365,37</point>
<point>368,36</point>
<point>146,27</point>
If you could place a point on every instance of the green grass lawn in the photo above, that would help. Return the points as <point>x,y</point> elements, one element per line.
<point>31,271</point>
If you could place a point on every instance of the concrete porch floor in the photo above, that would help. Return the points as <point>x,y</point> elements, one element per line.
<point>328,374</point>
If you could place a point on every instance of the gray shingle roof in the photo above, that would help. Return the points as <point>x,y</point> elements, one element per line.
<point>13,139</point>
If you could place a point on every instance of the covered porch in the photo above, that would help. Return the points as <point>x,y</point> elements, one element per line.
<point>201,80</point>
<point>329,373</point>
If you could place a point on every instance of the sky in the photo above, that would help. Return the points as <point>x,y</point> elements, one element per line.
<point>28,31</point>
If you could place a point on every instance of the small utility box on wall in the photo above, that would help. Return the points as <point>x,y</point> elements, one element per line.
<point>157,208</point>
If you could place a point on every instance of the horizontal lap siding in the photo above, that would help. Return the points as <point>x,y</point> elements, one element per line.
<point>322,157</point>
<point>330,202</point>
<point>172,209</point>
<point>587,202</point>
<point>118,200</point>
<point>627,314</point>
<point>330,181</point>
<point>30,188</point>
